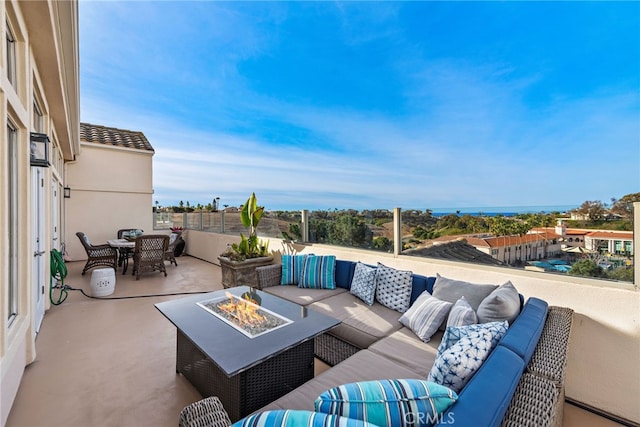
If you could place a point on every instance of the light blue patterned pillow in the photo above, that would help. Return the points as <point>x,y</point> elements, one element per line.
<point>392,402</point>
<point>455,366</point>
<point>425,315</point>
<point>393,288</point>
<point>319,272</point>
<point>297,418</point>
<point>462,314</point>
<point>292,266</point>
<point>363,284</point>
<point>454,333</point>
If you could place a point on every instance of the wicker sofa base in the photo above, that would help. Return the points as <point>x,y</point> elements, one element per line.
<point>539,397</point>
<point>332,350</point>
<point>251,389</point>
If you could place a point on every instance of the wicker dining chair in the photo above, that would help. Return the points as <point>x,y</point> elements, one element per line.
<point>126,252</point>
<point>170,254</point>
<point>97,255</point>
<point>121,233</point>
<point>207,412</point>
<point>149,253</point>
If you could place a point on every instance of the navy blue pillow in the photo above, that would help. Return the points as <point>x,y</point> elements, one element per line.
<point>344,273</point>
<point>421,284</point>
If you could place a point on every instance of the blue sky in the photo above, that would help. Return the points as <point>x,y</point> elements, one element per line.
<point>324,105</point>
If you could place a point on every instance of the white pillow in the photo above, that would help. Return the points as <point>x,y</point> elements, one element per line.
<point>363,284</point>
<point>393,287</point>
<point>461,314</point>
<point>455,366</point>
<point>455,333</point>
<point>425,315</point>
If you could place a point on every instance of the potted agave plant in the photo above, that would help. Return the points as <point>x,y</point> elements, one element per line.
<point>240,260</point>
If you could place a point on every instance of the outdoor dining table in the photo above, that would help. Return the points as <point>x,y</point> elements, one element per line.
<point>125,249</point>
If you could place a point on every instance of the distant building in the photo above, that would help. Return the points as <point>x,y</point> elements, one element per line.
<point>603,241</point>
<point>514,249</point>
<point>611,242</point>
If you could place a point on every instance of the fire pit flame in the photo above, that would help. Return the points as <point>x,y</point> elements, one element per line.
<point>244,314</point>
<point>241,309</point>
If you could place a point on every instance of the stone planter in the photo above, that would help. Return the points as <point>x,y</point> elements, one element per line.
<point>241,273</point>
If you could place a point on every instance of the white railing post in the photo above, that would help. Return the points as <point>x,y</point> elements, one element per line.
<point>397,231</point>
<point>304,225</point>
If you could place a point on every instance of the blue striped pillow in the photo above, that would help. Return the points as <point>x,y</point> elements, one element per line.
<point>292,266</point>
<point>392,402</point>
<point>319,272</point>
<point>298,418</point>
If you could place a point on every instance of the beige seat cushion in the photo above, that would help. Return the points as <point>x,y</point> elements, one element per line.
<point>405,348</point>
<point>302,296</point>
<point>362,366</point>
<point>362,325</point>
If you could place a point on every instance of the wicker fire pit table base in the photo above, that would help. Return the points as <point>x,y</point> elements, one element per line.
<point>249,390</point>
<point>245,373</point>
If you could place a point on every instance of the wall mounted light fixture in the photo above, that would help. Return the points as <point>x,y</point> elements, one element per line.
<point>67,192</point>
<point>39,149</point>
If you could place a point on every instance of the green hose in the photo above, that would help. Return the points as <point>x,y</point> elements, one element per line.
<point>58,272</point>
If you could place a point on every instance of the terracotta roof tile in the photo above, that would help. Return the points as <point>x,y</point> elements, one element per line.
<point>113,136</point>
<point>626,235</point>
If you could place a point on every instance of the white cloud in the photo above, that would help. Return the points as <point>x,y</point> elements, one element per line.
<point>466,135</point>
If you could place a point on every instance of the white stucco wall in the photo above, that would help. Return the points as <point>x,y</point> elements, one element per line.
<point>111,188</point>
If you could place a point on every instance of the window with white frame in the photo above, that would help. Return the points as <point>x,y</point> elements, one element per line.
<point>38,119</point>
<point>10,50</point>
<point>12,222</point>
<point>56,156</point>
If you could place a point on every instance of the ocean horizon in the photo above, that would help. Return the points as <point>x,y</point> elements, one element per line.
<point>503,210</point>
<point>477,211</point>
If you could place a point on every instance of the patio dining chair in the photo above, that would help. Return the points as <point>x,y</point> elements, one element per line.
<point>149,253</point>
<point>97,255</point>
<point>124,233</point>
<point>170,255</point>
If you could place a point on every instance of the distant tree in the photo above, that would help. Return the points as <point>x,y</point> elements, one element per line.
<point>624,205</point>
<point>382,243</point>
<point>348,230</point>
<point>295,233</point>
<point>420,232</point>
<point>624,274</point>
<point>586,268</point>
<point>500,225</point>
<point>594,210</point>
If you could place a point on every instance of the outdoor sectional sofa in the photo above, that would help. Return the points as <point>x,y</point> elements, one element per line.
<point>520,383</point>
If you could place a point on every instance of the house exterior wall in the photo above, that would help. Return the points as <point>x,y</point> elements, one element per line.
<point>111,188</point>
<point>46,65</point>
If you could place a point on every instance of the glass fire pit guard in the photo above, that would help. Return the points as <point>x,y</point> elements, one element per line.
<point>243,315</point>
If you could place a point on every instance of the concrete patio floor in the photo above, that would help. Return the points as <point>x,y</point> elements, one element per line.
<point>111,362</point>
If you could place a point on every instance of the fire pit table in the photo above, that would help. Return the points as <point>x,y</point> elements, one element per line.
<point>245,346</point>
